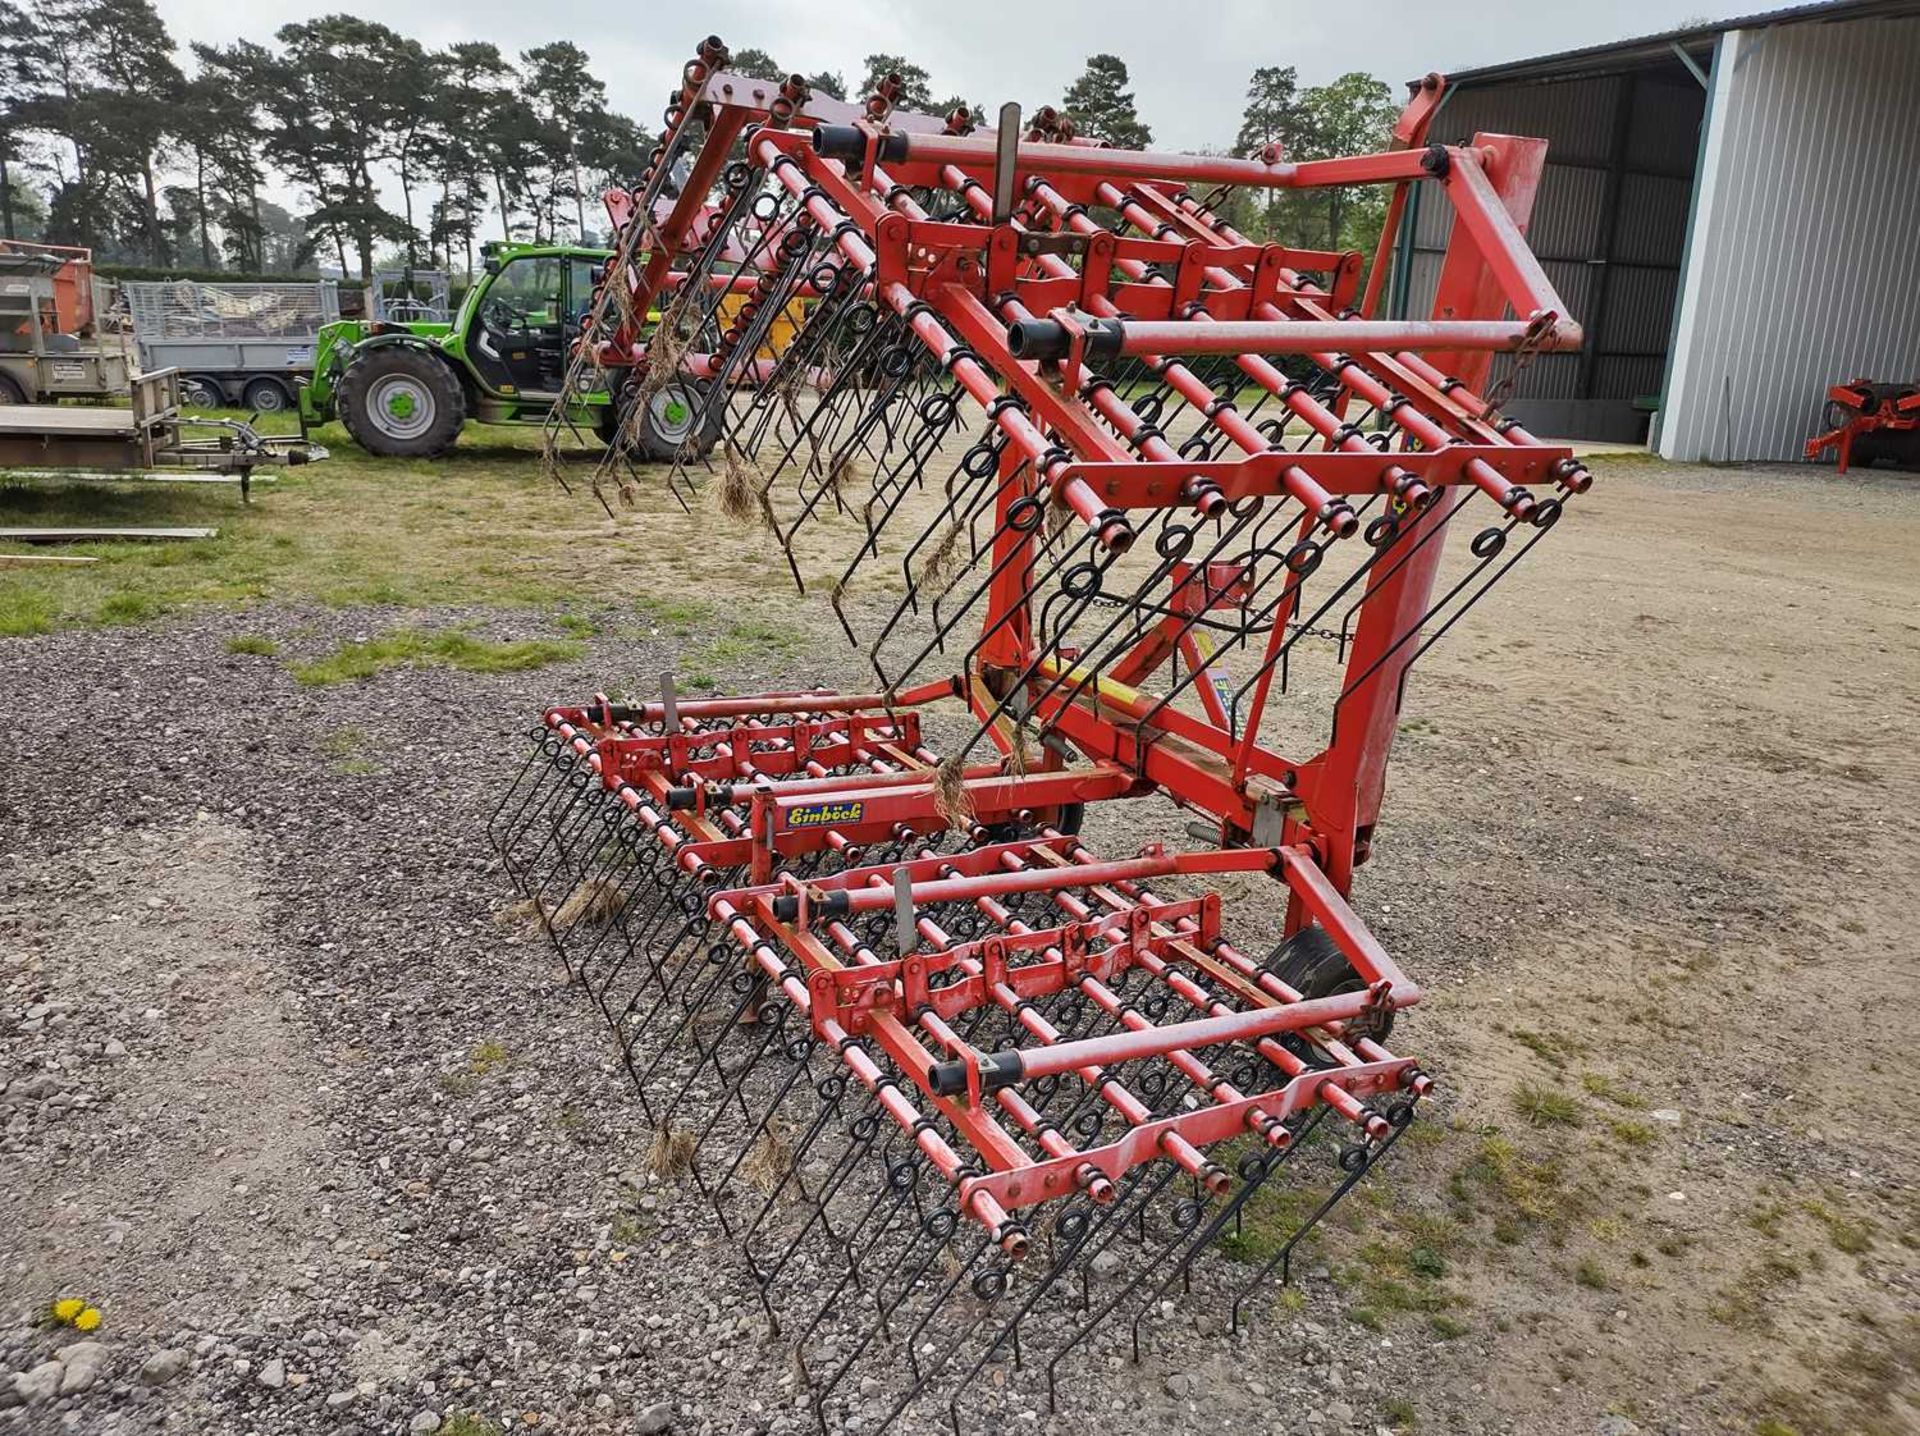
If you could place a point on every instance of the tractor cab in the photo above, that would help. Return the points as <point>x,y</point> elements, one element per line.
<point>522,317</point>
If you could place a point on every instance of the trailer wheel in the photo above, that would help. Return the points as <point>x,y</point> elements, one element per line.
<point>1311,963</point>
<point>266,396</point>
<point>10,391</point>
<point>401,402</point>
<point>200,391</point>
<point>676,422</point>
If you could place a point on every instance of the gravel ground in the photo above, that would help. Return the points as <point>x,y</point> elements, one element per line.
<point>287,1091</point>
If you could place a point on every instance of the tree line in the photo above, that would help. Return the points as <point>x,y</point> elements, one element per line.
<point>110,137</point>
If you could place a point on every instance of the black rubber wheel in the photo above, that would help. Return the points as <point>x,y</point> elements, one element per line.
<point>1311,964</point>
<point>400,402</point>
<point>677,422</point>
<point>266,396</point>
<point>198,391</point>
<point>10,390</point>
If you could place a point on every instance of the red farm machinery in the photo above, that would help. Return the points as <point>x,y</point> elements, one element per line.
<point>1142,526</point>
<point>1870,422</point>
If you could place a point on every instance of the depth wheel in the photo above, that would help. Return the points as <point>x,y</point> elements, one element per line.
<point>1312,964</point>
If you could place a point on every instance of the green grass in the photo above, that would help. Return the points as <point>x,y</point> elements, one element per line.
<point>413,648</point>
<point>1398,1413</point>
<point>468,1423</point>
<point>1546,1106</point>
<point>1590,1274</point>
<point>482,525</point>
<point>254,643</point>
<point>1597,1084</point>
<point>1632,1134</point>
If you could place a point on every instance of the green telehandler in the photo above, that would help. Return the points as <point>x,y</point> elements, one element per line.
<point>405,389</point>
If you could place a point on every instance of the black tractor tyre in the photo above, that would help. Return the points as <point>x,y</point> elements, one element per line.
<point>1312,964</point>
<point>677,422</point>
<point>10,390</point>
<point>401,402</point>
<point>266,396</point>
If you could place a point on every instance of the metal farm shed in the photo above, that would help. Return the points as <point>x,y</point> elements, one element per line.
<point>1732,211</point>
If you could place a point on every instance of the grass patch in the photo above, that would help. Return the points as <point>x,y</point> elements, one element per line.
<point>681,615</point>
<point>745,641</point>
<point>479,525</point>
<point>1593,1276</point>
<point>132,607</point>
<point>1546,1106</point>
<point>1848,1234</point>
<point>1447,1327</point>
<point>1554,1050</point>
<point>489,1055</point>
<point>1519,1191</point>
<point>1597,1084</point>
<point>1747,1303</point>
<point>468,1423</point>
<point>1398,1413</point>
<point>257,644</point>
<point>408,647</point>
<point>25,612</point>
<point>1632,1134</point>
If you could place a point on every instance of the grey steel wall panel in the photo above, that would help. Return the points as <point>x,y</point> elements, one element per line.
<point>1805,265</point>
<point>1578,235</point>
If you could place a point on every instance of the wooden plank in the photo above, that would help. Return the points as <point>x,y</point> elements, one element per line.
<point>9,560</point>
<point>66,421</point>
<point>128,476</point>
<point>58,535</point>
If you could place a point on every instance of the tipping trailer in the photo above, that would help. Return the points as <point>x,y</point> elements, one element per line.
<point>244,345</point>
<point>48,350</point>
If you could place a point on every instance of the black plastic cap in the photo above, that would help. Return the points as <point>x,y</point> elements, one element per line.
<point>997,1070</point>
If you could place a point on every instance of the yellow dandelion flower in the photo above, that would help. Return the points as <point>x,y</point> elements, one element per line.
<point>88,1319</point>
<point>67,1308</point>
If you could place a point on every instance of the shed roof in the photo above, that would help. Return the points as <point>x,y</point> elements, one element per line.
<point>1696,40</point>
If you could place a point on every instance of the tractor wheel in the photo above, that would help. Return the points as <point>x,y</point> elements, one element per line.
<point>401,402</point>
<point>10,390</point>
<point>1312,964</point>
<point>672,425</point>
<point>266,396</point>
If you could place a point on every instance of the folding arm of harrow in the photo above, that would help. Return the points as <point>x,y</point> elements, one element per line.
<point>1163,500</point>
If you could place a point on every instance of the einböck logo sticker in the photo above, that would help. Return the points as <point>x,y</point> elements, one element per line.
<point>820,815</point>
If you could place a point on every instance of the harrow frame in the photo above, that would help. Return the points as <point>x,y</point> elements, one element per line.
<point>933,932</point>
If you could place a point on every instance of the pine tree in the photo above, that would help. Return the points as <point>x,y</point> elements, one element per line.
<point>1101,106</point>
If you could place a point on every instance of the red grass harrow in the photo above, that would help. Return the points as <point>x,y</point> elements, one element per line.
<point>960,1089</point>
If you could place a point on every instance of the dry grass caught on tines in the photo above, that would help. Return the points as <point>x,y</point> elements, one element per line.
<point>950,798</point>
<point>939,562</point>
<point>1059,516</point>
<point>665,350</point>
<point>672,1152</point>
<point>742,486</point>
<point>767,1165</point>
<point>597,901</point>
<point>846,469</point>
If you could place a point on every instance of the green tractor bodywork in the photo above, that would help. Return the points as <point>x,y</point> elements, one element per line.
<point>406,388</point>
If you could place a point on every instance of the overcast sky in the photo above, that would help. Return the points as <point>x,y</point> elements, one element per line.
<point>1189,59</point>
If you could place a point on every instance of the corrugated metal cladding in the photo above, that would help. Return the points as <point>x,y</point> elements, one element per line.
<point>1805,264</point>
<point>1609,224</point>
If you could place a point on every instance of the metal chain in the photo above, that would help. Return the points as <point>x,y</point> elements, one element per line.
<point>1523,358</point>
